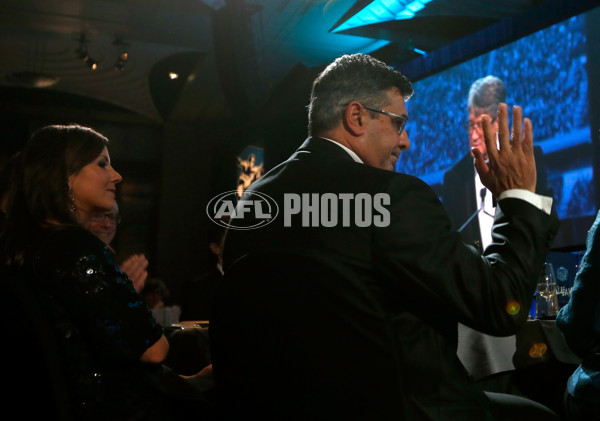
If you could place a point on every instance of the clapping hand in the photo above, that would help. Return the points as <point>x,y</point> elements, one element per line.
<point>135,268</point>
<point>511,160</point>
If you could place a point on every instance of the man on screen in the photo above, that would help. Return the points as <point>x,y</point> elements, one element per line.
<point>462,196</point>
<point>463,192</point>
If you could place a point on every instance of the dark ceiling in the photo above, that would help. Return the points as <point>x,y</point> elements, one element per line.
<point>231,55</point>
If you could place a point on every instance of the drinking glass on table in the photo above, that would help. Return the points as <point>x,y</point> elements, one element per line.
<point>546,299</point>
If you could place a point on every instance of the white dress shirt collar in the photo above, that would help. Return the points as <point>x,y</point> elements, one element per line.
<point>348,150</point>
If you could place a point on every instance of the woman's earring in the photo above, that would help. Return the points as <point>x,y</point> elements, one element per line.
<point>72,207</point>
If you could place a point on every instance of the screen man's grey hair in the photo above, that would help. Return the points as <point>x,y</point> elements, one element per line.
<point>356,77</point>
<point>486,94</point>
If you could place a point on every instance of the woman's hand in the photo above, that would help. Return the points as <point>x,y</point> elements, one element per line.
<point>135,267</point>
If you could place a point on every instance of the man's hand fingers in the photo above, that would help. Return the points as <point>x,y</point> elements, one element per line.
<point>517,132</point>
<point>484,171</point>
<point>490,137</point>
<point>528,139</point>
<point>479,161</point>
<point>510,166</point>
<point>503,131</point>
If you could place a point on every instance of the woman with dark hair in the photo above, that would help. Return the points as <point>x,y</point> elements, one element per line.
<point>109,345</point>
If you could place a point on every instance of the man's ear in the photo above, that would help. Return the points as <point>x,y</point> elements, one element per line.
<point>353,119</point>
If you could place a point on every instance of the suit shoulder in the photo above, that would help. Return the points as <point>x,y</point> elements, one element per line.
<point>384,179</point>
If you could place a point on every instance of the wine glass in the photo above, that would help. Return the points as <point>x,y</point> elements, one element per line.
<point>546,298</point>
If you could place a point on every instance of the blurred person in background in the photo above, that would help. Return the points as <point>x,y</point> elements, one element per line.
<point>198,293</point>
<point>155,294</point>
<point>104,226</point>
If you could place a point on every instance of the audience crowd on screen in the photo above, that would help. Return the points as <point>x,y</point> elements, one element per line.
<point>537,69</point>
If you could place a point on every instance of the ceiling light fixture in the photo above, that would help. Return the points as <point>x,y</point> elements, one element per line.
<point>82,53</point>
<point>173,75</point>
<point>124,56</point>
<point>120,64</point>
<point>383,11</point>
<point>92,64</point>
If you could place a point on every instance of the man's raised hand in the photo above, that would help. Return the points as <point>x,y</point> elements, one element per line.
<point>511,161</point>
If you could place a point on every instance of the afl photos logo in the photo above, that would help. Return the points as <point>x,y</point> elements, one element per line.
<point>253,210</point>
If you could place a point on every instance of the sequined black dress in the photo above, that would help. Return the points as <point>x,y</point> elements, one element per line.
<point>101,324</point>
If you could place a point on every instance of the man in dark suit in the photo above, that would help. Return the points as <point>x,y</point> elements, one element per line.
<point>197,293</point>
<point>462,190</point>
<point>395,279</point>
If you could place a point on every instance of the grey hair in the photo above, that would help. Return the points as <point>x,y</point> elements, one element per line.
<point>356,77</point>
<point>486,94</point>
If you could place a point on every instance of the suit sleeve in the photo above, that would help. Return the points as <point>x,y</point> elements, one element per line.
<point>580,318</point>
<point>426,262</point>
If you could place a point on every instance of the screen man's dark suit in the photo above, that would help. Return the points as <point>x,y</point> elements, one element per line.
<point>458,194</point>
<point>407,285</point>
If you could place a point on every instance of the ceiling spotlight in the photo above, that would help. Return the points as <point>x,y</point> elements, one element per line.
<point>173,75</point>
<point>120,64</point>
<point>124,56</point>
<point>92,64</point>
<point>82,52</point>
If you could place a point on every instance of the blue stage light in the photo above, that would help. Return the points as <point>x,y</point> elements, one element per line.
<point>415,6</point>
<point>383,11</point>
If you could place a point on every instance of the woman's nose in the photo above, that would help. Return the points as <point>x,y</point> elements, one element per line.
<point>116,177</point>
